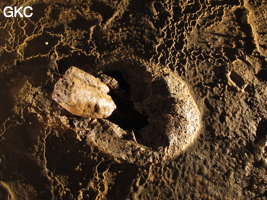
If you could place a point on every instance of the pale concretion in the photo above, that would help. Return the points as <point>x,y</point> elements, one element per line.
<point>84,95</point>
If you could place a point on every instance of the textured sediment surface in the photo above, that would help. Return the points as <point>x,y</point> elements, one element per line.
<point>216,48</point>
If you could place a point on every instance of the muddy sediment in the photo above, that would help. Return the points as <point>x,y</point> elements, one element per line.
<point>216,48</point>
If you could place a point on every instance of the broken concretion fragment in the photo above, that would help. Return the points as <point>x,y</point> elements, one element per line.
<point>83,95</point>
<point>155,91</point>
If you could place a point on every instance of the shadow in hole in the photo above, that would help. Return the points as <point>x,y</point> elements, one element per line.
<point>125,115</point>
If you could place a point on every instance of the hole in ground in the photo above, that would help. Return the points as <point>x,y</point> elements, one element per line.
<point>125,115</point>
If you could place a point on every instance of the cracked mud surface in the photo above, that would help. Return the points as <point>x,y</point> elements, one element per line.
<point>219,48</point>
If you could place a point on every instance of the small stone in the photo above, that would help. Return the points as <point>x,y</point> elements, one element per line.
<point>83,95</point>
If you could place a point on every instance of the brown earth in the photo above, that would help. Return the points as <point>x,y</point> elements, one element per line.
<point>218,47</point>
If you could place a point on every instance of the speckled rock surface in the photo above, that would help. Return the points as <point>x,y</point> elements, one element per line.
<point>218,48</point>
<point>83,95</point>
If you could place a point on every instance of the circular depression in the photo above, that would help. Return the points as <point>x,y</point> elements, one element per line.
<point>172,114</point>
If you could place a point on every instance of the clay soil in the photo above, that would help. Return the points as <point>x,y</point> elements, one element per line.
<point>218,47</point>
